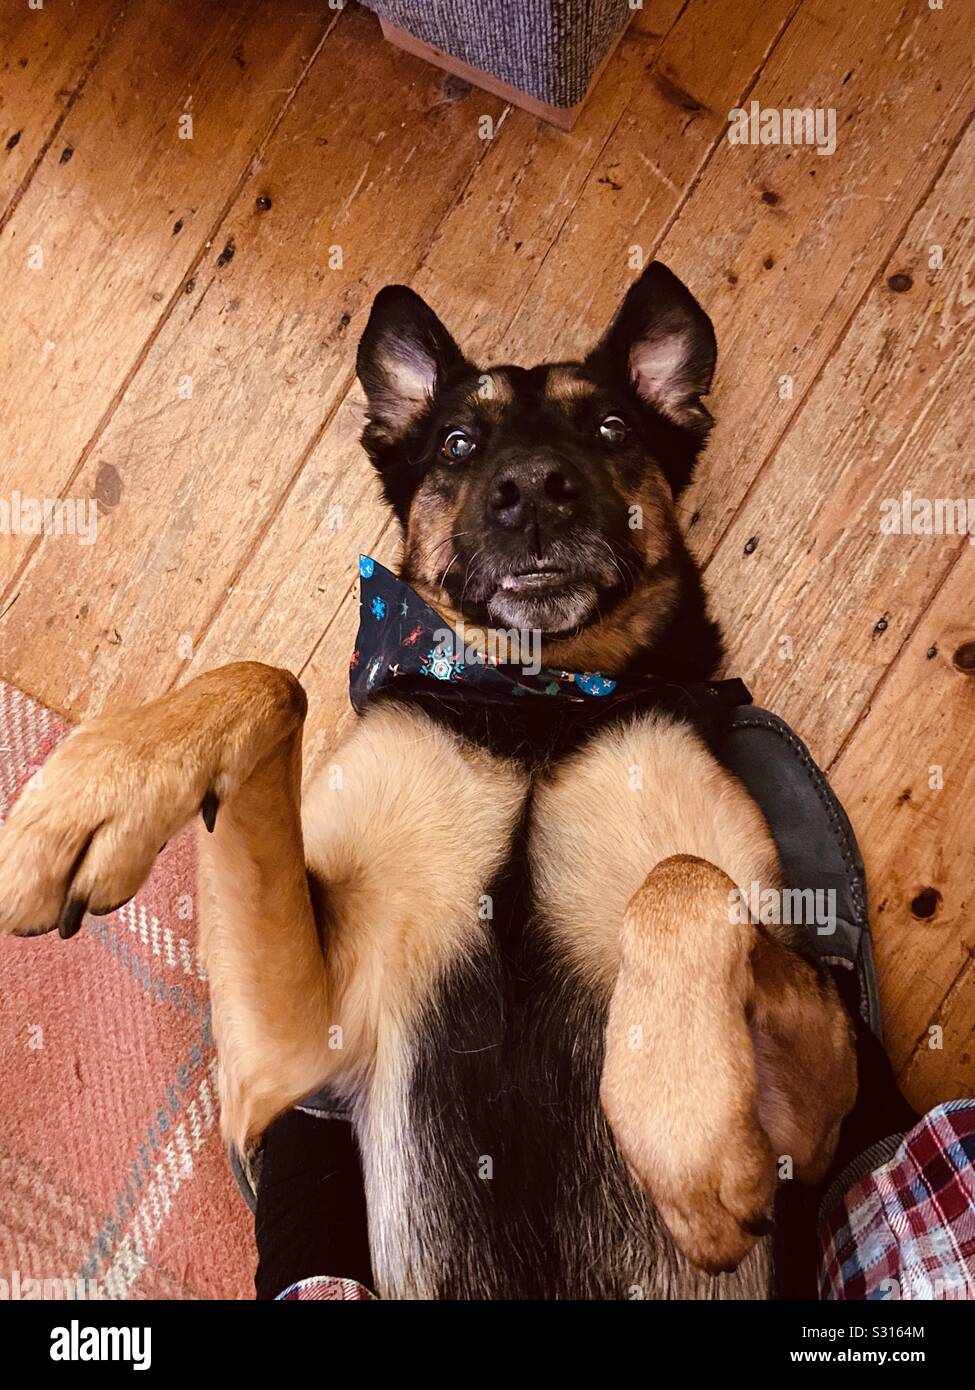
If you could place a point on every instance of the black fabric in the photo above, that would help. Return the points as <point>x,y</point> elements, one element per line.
<point>880,1109</point>
<point>311,1205</point>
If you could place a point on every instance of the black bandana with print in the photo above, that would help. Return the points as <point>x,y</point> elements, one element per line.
<point>400,635</point>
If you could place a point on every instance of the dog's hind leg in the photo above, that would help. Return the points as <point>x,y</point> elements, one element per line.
<point>84,834</point>
<point>725,1053</point>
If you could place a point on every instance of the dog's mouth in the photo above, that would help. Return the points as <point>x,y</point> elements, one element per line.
<point>536,579</point>
<point>555,593</point>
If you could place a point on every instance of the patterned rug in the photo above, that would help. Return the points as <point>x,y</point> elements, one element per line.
<point>111,1164</point>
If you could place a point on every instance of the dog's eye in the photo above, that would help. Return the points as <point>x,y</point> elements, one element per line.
<point>612,430</point>
<point>458,446</point>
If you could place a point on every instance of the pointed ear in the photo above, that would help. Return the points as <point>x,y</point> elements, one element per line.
<point>664,342</point>
<point>404,353</point>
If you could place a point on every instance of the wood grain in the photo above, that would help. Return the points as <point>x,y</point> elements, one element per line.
<point>46,57</point>
<point>195,476</point>
<point>907,778</point>
<point>814,599</point>
<point>88,271</point>
<point>781,243</point>
<point>230,517</point>
<point>649,170</point>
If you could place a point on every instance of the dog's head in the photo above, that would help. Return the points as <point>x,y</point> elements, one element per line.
<point>543,499</point>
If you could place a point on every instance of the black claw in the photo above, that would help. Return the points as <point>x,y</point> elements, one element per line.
<point>107,911</point>
<point>208,811</point>
<point>761,1226</point>
<point>72,912</point>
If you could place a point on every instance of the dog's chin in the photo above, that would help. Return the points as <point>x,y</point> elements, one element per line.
<point>552,609</point>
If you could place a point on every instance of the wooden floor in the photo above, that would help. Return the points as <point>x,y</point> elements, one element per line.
<point>179,319</point>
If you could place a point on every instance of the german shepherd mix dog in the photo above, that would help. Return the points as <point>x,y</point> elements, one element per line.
<point>583,1091</point>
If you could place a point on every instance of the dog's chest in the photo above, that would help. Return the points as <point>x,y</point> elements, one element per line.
<point>494,915</point>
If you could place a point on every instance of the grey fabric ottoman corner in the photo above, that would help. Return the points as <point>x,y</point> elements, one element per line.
<point>541,54</point>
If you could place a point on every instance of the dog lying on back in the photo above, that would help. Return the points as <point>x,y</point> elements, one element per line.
<point>500,929</point>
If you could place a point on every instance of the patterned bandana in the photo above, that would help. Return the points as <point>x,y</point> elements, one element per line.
<point>402,636</point>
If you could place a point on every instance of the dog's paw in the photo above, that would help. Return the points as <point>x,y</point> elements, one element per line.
<point>86,829</point>
<point>691,1137</point>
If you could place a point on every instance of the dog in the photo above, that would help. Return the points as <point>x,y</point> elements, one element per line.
<point>572,1072</point>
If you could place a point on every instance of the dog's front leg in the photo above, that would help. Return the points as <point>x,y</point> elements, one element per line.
<point>84,835</point>
<point>724,1052</point>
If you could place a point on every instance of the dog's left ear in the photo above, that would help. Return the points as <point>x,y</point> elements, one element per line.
<point>664,343</point>
<point>405,352</point>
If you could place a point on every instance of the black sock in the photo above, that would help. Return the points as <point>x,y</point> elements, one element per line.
<point>311,1205</point>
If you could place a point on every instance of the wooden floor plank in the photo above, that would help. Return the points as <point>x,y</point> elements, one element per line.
<point>941,1067</point>
<point>474,271</point>
<point>781,243</point>
<point>907,778</point>
<point>814,599</point>
<point>86,269</point>
<point>678,121</point>
<point>478,268</point>
<point>864,196</point>
<point>475,274</point>
<point>46,56</point>
<point>266,337</point>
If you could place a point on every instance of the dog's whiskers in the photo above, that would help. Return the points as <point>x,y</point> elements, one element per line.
<point>448,569</point>
<point>467,574</point>
<point>614,559</point>
<point>426,554</point>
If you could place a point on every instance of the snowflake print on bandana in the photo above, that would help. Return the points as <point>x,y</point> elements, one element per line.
<point>441,667</point>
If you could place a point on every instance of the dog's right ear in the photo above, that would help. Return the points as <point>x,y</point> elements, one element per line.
<point>404,354</point>
<point>663,343</point>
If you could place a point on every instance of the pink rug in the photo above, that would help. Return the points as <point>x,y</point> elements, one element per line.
<point>111,1164</point>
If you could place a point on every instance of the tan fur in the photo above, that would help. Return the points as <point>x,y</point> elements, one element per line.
<point>806,1062</point>
<point>564,384</point>
<point>125,784</point>
<point>698,1000</point>
<point>430,550</point>
<point>602,646</point>
<point>679,1083</point>
<point>492,394</point>
<point>405,828</point>
<point>283,1024</point>
<point>401,835</point>
<point>429,555</point>
<point>650,789</point>
<point>260,945</point>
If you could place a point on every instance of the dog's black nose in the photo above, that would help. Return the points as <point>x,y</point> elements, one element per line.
<point>534,491</point>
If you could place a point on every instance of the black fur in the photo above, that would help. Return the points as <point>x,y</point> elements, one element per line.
<point>510,1055</point>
